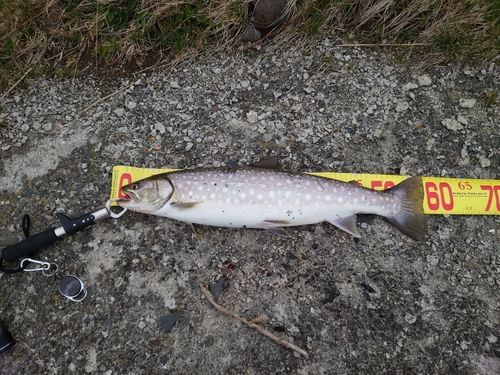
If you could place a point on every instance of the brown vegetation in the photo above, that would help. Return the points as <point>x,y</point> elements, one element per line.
<point>55,35</point>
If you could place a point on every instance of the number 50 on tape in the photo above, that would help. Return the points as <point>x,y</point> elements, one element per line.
<point>451,196</point>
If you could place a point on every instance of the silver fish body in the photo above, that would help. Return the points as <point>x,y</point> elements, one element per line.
<point>272,199</point>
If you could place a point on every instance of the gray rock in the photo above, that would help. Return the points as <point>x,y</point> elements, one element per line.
<point>424,80</point>
<point>452,124</point>
<point>167,322</point>
<point>7,238</point>
<point>402,106</point>
<point>251,34</point>
<point>467,103</point>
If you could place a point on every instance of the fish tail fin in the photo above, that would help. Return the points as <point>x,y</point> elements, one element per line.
<point>410,220</point>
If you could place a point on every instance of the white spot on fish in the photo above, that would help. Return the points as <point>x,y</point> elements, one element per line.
<point>308,197</point>
<point>200,188</point>
<point>212,196</point>
<point>242,195</point>
<point>259,196</point>
<point>228,200</point>
<point>251,191</point>
<point>271,194</point>
<point>297,202</point>
<point>328,197</point>
<point>340,199</point>
<point>287,194</point>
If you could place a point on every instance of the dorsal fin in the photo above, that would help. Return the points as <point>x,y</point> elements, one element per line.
<point>271,162</point>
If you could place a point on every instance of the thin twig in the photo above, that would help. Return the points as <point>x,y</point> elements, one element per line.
<point>15,84</point>
<point>103,99</point>
<point>265,332</point>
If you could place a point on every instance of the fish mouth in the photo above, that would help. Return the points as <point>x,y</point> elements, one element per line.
<point>130,196</point>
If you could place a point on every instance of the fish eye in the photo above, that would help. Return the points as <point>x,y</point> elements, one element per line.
<point>134,186</point>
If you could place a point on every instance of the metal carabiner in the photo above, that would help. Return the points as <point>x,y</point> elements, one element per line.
<point>111,213</point>
<point>45,266</point>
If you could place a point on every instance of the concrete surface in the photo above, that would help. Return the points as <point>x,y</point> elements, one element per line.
<point>383,304</point>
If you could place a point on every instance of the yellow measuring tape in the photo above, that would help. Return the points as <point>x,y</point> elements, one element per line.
<point>452,196</point>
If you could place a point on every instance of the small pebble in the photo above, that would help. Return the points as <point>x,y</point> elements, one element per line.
<point>410,318</point>
<point>402,106</point>
<point>467,103</point>
<point>452,124</point>
<point>167,322</point>
<point>424,80</point>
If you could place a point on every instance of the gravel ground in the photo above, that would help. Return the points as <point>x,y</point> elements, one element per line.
<point>382,304</point>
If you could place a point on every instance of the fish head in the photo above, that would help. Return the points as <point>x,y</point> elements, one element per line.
<point>146,196</point>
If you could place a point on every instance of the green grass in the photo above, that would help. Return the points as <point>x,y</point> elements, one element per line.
<point>490,97</point>
<point>452,41</point>
<point>55,35</point>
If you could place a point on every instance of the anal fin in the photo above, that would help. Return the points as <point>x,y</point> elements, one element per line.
<point>347,223</point>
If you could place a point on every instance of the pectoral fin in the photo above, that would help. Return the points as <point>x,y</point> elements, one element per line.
<point>347,223</point>
<point>277,222</point>
<point>184,205</point>
<point>191,226</point>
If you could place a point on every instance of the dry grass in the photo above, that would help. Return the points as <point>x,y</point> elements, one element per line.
<point>54,35</point>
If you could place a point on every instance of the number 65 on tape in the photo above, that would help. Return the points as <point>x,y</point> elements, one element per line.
<point>461,196</point>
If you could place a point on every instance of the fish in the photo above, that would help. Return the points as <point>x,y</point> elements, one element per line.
<point>263,195</point>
